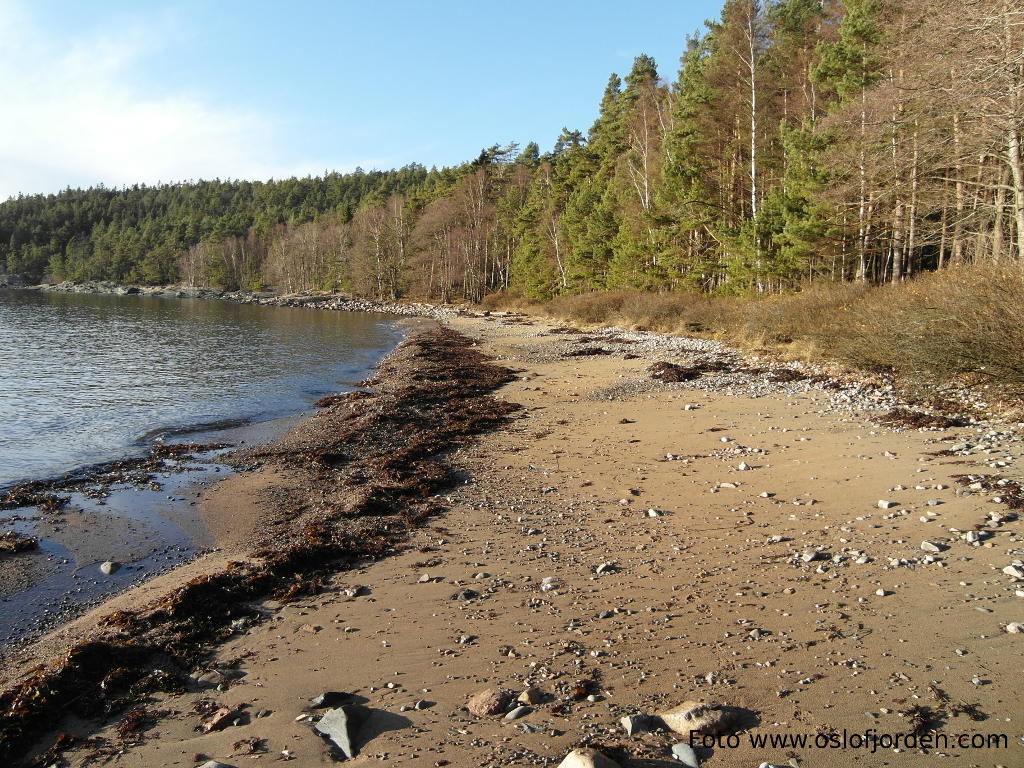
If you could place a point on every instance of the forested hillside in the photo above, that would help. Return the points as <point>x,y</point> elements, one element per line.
<point>798,140</point>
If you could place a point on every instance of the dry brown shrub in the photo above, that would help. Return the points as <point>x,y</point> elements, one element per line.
<point>664,312</point>
<point>510,301</point>
<point>811,315</point>
<point>959,322</point>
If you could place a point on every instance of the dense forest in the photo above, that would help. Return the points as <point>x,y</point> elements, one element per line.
<point>799,140</point>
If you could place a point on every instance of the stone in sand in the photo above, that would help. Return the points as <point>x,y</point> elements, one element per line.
<point>1015,571</point>
<point>488,702</point>
<point>703,718</point>
<point>684,754</point>
<point>634,725</point>
<point>218,720</point>
<point>550,583</point>
<point>339,726</point>
<point>216,764</point>
<point>110,567</point>
<point>531,695</point>
<point>587,758</point>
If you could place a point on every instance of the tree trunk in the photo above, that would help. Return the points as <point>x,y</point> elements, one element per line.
<point>1013,156</point>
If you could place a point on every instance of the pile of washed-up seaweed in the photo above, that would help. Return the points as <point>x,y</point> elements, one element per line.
<point>369,469</point>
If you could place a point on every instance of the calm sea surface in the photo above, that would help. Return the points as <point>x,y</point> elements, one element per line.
<point>86,379</point>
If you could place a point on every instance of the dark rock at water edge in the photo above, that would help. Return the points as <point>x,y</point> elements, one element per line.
<point>12,281</point>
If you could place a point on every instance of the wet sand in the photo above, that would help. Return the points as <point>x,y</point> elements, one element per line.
<point>139,513</point>
<point>717,595</point>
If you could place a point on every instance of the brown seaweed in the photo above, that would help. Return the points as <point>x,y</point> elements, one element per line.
<point>11,543</point>
<point>432,396</point>
<point>902,417</point>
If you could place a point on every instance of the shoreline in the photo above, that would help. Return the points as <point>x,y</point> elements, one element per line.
<point>167,480</point>
<point>132,506</point>
<point>303,299</point>
<point>712,597</point>
<point>381,490</point>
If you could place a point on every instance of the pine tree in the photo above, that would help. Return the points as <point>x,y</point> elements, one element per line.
<point>848,68</point>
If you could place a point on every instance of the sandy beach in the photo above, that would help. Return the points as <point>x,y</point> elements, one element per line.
<point>619,543</point>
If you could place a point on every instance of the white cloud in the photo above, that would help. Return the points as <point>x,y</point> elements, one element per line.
<point>72,116</point>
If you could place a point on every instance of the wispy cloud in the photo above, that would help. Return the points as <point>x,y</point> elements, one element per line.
<point>74,115</point>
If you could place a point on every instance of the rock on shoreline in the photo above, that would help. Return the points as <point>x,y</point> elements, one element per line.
<point>307,299</point>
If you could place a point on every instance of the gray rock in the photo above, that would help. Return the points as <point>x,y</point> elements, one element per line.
<point>883,504</point>
<point>216,764</point>
<point>520,711</point>
<point>1015,571</point>
<point>931,546</point>
<point>110,567</point>
<point>340,725</point>
<point>549,583</point>
<point>211,678</point>
<point>684,754</point>
<point>634,725</point>
<point>810,555</point>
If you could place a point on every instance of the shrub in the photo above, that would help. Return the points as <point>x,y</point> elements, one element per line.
<point>963,321</point>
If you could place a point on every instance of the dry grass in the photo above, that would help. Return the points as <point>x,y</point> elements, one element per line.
<point>661,312</point>
<point>963,322</point>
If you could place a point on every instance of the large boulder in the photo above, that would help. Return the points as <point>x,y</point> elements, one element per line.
<point>587,758</point>
<point>488,702</point>
<point>703,718</point>
<point>340,727</point>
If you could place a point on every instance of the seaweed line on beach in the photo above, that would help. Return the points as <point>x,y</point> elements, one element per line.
<point>368,470</point>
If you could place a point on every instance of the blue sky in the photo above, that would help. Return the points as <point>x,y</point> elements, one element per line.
<point>117,92</point>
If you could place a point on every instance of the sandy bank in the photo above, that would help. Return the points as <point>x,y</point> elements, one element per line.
<point>342,488</point>
<point>718,539</point>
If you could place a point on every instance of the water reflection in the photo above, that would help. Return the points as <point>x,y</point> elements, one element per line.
<point>83,377</point>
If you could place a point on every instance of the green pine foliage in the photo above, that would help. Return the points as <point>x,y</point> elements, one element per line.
<point>136,234</point>
<point>792,144</point>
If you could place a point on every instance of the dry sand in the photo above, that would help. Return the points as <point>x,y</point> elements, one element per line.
<point>703,601</point>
